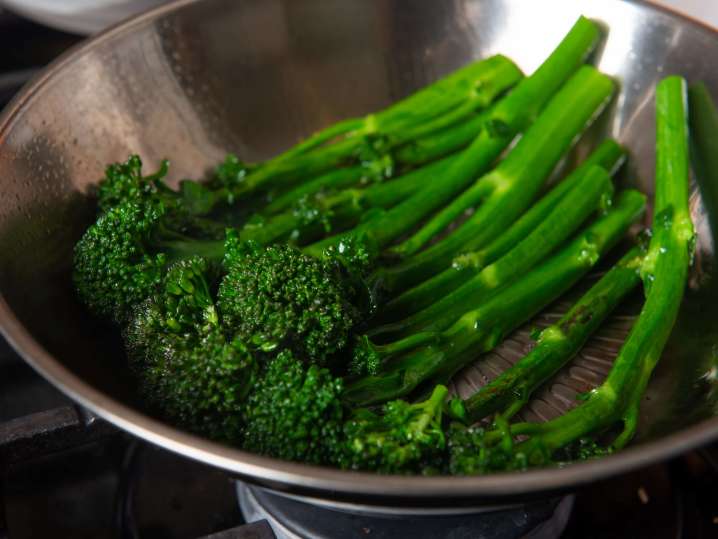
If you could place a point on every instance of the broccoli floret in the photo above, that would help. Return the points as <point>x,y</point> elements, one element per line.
<point>229,173</point>
<point>236,249</point>
<point>200,383</point>
<point>124,182</point>
<point>294,412</point>
<point>188,303</point>
<point>277,298</point>
<point>123,256</point>
<point>181,307</point>
<point>353,258</point>
<point>365,359</point>
<point>355,254</point>
<point>472,451</point>
<point>475,450</point>
<point>582,449</point>
<point>114,267</point>
<point>185,364</point>
<point>403,438</point>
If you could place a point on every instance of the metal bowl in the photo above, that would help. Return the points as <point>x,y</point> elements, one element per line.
<point>195,79</point>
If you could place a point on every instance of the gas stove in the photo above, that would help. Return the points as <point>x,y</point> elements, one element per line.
<point>67,473</point>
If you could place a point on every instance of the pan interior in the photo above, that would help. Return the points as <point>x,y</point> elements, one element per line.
<point>253,77</point>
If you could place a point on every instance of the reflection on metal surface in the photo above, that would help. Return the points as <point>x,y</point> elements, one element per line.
<point>295,518</point>
<point>199,78</point>
<point>585,372</point>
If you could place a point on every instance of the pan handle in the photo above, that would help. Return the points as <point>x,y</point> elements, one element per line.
<point>47,432</point>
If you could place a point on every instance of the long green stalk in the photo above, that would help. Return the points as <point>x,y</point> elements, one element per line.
<point>556,344</point>
<point>514,182</point>
<point>467,200</point>
<point>436,356</point>
<point>313,216</point>
<point>608,155</point>
<point>417,152</point>
<point>490,78</point>
<point>308,221</point>
<point>586,197</point>
<point>664,273</point>
<point>441,103</point>
<point>439,100</point>
<point>340,178</point>
<point>440,143</point>
<point>704,146</point>
<point>510,116</point>
<point>387,194</point>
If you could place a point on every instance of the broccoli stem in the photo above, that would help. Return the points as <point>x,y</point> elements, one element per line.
<point>387,194</point>
<point>343,127</point>
<point>342,210</point>
<point>175,250</point>
<point>586,196</point>
<point>435,101</point>
<point>664,273</point>
<point>514,182</point>
<point>340,178</point>
<point>535,136</point>
<point>315,216</point>
<point>608,155</point>
<point>704,146</point>
<point>489,79</point>
<point>419,151</point>
<point>479,330</point>
<point>511,115</point>
<point>429,147</point>
<point>556,345</point>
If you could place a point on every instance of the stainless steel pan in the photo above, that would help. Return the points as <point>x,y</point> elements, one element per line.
<point>195,79</point>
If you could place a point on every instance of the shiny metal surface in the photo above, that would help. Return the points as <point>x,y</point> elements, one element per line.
<point>584,372</point>
<point>292,517</point>
<point>195,79</point>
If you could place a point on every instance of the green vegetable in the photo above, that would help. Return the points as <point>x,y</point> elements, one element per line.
<point>277,298</point>
<point>402,438</point>
<point>124,182</point>
<point>294,412</point>
<point>509,189</point>
<point>510,116</point>
<point>201,384</point>
<point>114,265</point>
<point>556,344</point>
<point>664,272</point>
<point>586,197</point>
<point>608,155</point>
<point>185,364</point>
<point>436,356</point>
<point>124,255</point>
<point>313,216</point>
<point>704,146</point>
<point>269,335</point>
<point>352,140</point>
<point>416,152</point>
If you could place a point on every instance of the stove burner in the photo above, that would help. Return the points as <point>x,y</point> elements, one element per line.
<point>299,518</point>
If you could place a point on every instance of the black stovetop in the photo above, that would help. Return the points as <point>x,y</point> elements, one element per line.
<point>100,483</point>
